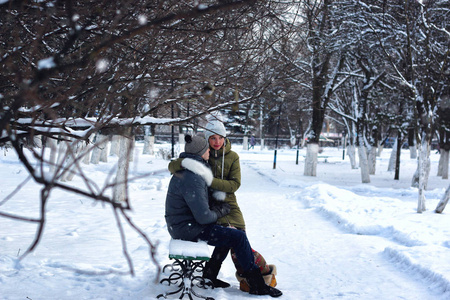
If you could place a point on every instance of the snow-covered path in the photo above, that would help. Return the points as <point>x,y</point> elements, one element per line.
<point>327,235</point>
<point>311,265</point>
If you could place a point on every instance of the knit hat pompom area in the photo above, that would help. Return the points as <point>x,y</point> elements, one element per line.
<point>195,145</point>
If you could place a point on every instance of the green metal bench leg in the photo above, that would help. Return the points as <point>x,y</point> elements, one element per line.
<point>183,271</point>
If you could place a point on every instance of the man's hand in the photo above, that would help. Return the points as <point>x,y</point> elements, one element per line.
<point>221,209</point>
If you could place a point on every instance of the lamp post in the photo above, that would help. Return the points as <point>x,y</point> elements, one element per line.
<point>299,140</point>
<point>282,95</point>
<point>173,127</point>
<point>344,144</point>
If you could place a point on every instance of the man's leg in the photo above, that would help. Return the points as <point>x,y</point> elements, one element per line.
<point>212,267</point>
<point>219,236</point>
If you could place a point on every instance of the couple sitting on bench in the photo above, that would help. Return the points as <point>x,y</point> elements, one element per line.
<point>191,217</point>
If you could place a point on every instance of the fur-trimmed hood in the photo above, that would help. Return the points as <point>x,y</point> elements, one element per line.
<point>198,168</point>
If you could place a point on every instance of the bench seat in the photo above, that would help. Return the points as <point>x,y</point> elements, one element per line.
<point>187,269</point>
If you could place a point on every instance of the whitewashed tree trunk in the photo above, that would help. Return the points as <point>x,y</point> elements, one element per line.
<point>415,178</point>
<point>37,141</point>
<point>439,172</point>
<point>262,144</point>
<point>180,146</point>
<point>71,162</point>
<point>95,156</point>
<point>120,187</point>
<point>151,145</point>
<point>380,149</point>
<point>372,157</point>
<point>423,172</point>
<point>52,144</point>
<point>351,152</point>
<point>311,159</point>
<point>104,149</point>
<point>181,140</point>
<point>393,157</point>
<point>441,205</point>
<point>443,164</point>
<point>364,164</point>
<point>147,149</point>
<point>100,143</point>
<point>245,143</point>
<point>87,150</point>
<point>413,152</point>
<point>115,140</point>
<point>131,147</point>
<point>62,156</point>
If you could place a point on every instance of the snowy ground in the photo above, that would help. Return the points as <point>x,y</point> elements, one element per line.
<point>330,236</point>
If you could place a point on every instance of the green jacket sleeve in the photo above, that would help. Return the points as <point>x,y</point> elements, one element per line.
<point>232,182</point>
<point>175,165</point>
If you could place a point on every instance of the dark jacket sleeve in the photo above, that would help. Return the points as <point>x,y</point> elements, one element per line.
<point>196,196</point>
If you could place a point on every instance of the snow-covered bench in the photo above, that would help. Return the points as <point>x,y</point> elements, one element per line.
<point>186,271</point>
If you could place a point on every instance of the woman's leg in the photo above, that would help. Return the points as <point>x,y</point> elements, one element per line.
<point>219,236</point>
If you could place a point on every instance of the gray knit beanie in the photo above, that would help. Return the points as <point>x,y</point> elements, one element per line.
<point>215,127</point>
<point>195,145</point>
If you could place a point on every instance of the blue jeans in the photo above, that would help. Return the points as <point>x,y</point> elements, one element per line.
<point>220,236</point>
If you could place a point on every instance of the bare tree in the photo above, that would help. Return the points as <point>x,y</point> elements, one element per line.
<point>441,205</point>
<point>71,69</point>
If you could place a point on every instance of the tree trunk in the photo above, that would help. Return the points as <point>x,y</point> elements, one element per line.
<point>62,156</point>
<point>104,148</point>
<point>115,140</point>
<point>245,143</point>
<point>423,173</point>
<point>72,160</point>
<point>445,155</point>
<point>52,144</point>
<point>120,187</point>
<point>311,159</point>
<point>86,151</point>
<point>351,152</point>
<point>393,157</point>
<point>380,149</point>
<point>149,141</point>
<point>415,178</point>
<point>372,160</point>
<point>364,164</point>
<point>37,141</point>
<point>443,164</point>
<point>441,206</point>
<point>95,156</point>
<point>413,152</point>
<point>412,144</point>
